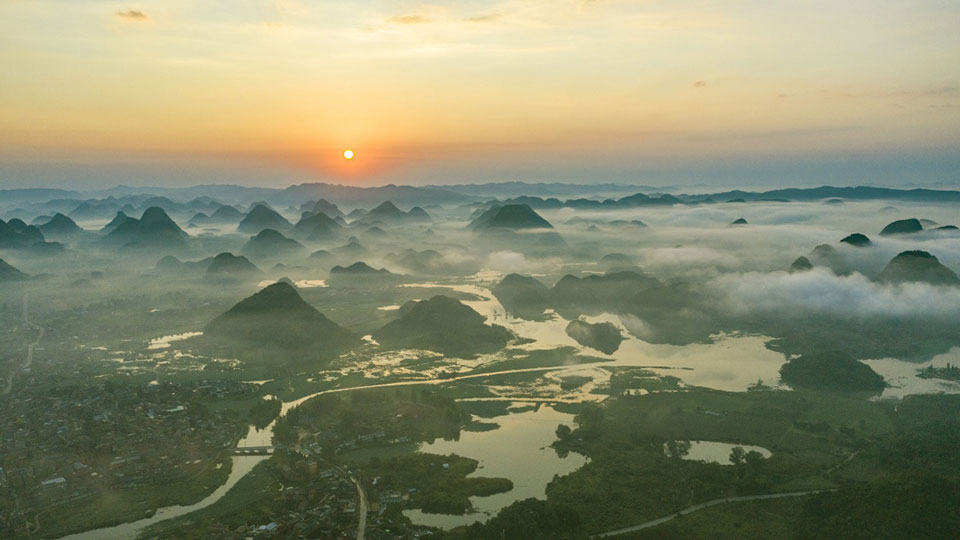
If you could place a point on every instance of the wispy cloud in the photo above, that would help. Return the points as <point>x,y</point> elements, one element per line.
<point>132,14</point>
<point>489,17</point>
<point>408,19</point>
<point>699,84</point>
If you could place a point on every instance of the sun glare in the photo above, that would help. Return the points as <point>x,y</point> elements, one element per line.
<point>348,154</point>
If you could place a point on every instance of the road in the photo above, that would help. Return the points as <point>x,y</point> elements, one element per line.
<point>707,504</point>
<point>361,509</point>
<point>30,347</point>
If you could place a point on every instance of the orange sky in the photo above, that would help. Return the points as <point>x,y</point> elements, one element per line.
<point>411,86</point>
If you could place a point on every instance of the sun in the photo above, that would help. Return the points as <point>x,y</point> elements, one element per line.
<point>348,154</point>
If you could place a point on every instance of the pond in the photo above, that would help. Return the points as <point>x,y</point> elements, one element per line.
<point>717,452</point>
<point>519,450</point>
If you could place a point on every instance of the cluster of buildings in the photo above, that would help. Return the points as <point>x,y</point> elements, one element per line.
<point>88,438</point>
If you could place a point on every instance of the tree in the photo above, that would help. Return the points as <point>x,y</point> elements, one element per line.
<point>563,432</point>
<point>590,420</point>
<point>738,455</point>
<point>677,449</point>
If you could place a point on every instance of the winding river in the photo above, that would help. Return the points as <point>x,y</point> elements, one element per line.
<point>730,363</point>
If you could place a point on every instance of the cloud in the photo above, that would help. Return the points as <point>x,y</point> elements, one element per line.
<point>821,292</point>
<point>699,84</point>
<point>489,17</point>
<point>133,15</point>
<point>408,19</point>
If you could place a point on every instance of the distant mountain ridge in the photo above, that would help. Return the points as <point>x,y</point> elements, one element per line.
<point>204,198</point>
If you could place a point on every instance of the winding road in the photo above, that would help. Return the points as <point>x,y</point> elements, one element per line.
<point>708,504</point>
<point>362,509</point>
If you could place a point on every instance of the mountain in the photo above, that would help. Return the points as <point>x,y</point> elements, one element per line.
<point>321,255</point>
<point>604,337</point>
<point>198,220</point>
<point>353,248</point>
<point>169,264</point>
<point>918,266</point>
<point>388,212</point>
<point>445,325</point>
<point>60,225</point>
<point>114,223</point>
<point>355,196</point>
<point>226,214</point>
<point>9,274</point>
<point>739,221</point>
<point>856,240</point>
<point>831,371</point>
<point>172,265</point>
<point>277,318</point>
<point>360,269</point>
<point>902,226</point>
<point>511,217</point>
<point>95,209</point>
<point>153,229</point>
<point>599,291</point>
<point>802,264</point>
<point>316,227</point>
<point>13,237</point>
<point>262,217</point>
<point>270,243</point>
<point>418,214</point>
<point>862,193</point>
<point>229,265</point>
<point>18,225</point>
<point>360,273</point>
<point>524,296</point>
<point>322,206</point>
<point>827,255</point>
<point>432,263</point>
<point>374,232</point>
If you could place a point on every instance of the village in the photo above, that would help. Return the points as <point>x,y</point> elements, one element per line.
<point>156,443</point>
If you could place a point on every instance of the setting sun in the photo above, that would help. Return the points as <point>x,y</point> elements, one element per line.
<point>348,154</point>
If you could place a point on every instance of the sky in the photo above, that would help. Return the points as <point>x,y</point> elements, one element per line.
<point>752,93</point>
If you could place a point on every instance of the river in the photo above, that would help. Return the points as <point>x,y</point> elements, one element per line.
<point>731,363</point>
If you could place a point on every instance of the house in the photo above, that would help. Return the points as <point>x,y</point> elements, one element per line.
<point>54,482</point>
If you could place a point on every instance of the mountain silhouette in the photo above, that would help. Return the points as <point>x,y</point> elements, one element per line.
<point>802,264</point>
<point>60,225</point>
<point>270,243</point>
<point>8,273</point>
<point>229,265</point>
<point>902,226</point>
<point>17,236</point>
<point>316,226</point>
<point>857,240</point>
<point>918,266</point>
<point>831,371</point>
<point>604,337</point>
<point>262,217</point>
<point>153,229</point>
<point>278,318</point>
<point>226,214</point>
<point>117,220</point>
<point>388,212</point>
<point>511,217</point>
<point>445,325</point>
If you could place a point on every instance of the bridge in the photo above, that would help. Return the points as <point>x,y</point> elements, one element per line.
<point>253,451</point>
